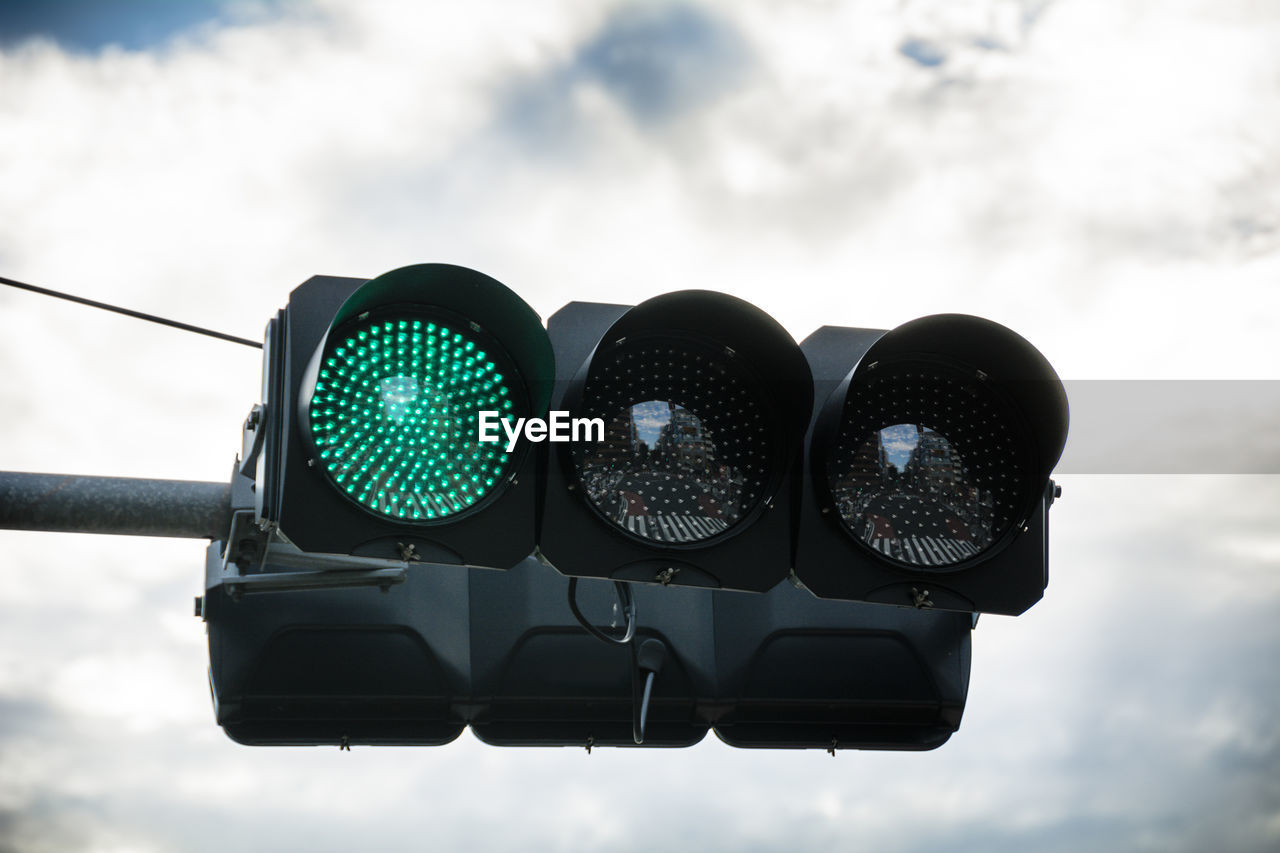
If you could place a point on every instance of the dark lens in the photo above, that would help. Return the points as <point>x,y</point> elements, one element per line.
<point>928,466</point>
<point>687,451</point>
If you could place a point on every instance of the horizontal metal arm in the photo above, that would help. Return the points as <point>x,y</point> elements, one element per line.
<point>121,505</point>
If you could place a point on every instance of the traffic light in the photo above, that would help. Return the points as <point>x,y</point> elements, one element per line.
<point>708,546</point>
<point>700,401</point>
<point>926,477</point>
<point>368,442</point>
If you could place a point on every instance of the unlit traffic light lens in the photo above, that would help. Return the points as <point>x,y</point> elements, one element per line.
<point>688,448</point>
<point>395,416</point>
<point>929,465</point>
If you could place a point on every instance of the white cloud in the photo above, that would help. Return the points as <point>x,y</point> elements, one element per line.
<point>1104,182</point>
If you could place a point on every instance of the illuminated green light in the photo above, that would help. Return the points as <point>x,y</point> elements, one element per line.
<point>395,417</point>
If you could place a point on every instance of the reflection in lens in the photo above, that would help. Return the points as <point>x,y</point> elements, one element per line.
<point>927,469</point>
<point>664,473</point>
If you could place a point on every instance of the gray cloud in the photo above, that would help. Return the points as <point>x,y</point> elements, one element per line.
<point>786,153</point>
<point>662,60</point>
<point>657,62</point>
<point>923,52</point>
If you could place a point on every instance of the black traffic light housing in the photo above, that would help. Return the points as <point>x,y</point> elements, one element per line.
<point>703,400</point>
<point>340,664</point>
<point>803,673</point>
<point>501,652</point>
<point>714,481</point>
<point>539,679</point>
<point>976,418</point>
<point>307,504</point>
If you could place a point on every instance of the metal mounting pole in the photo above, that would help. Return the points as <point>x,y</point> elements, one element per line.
<point>122,505</point>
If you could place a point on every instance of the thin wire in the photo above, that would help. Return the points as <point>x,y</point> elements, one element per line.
<point>130,313</point>
<point>628,605</point>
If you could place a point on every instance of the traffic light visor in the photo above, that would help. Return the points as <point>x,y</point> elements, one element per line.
<point>950,427</point>
<point>392,399</point>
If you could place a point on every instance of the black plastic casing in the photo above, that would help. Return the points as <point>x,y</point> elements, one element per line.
<point>310,510</point>
<point>501,652</point>
<point>1007,578</point>
<point>756,552</point>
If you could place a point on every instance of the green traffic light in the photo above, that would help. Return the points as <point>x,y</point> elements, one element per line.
<point>395,416</point>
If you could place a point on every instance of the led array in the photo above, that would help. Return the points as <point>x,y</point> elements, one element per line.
<point>926,469</point>
<point>688,447</point>
<point>395,416</point>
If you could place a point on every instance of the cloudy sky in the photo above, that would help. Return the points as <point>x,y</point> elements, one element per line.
<point>1102,177</point>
